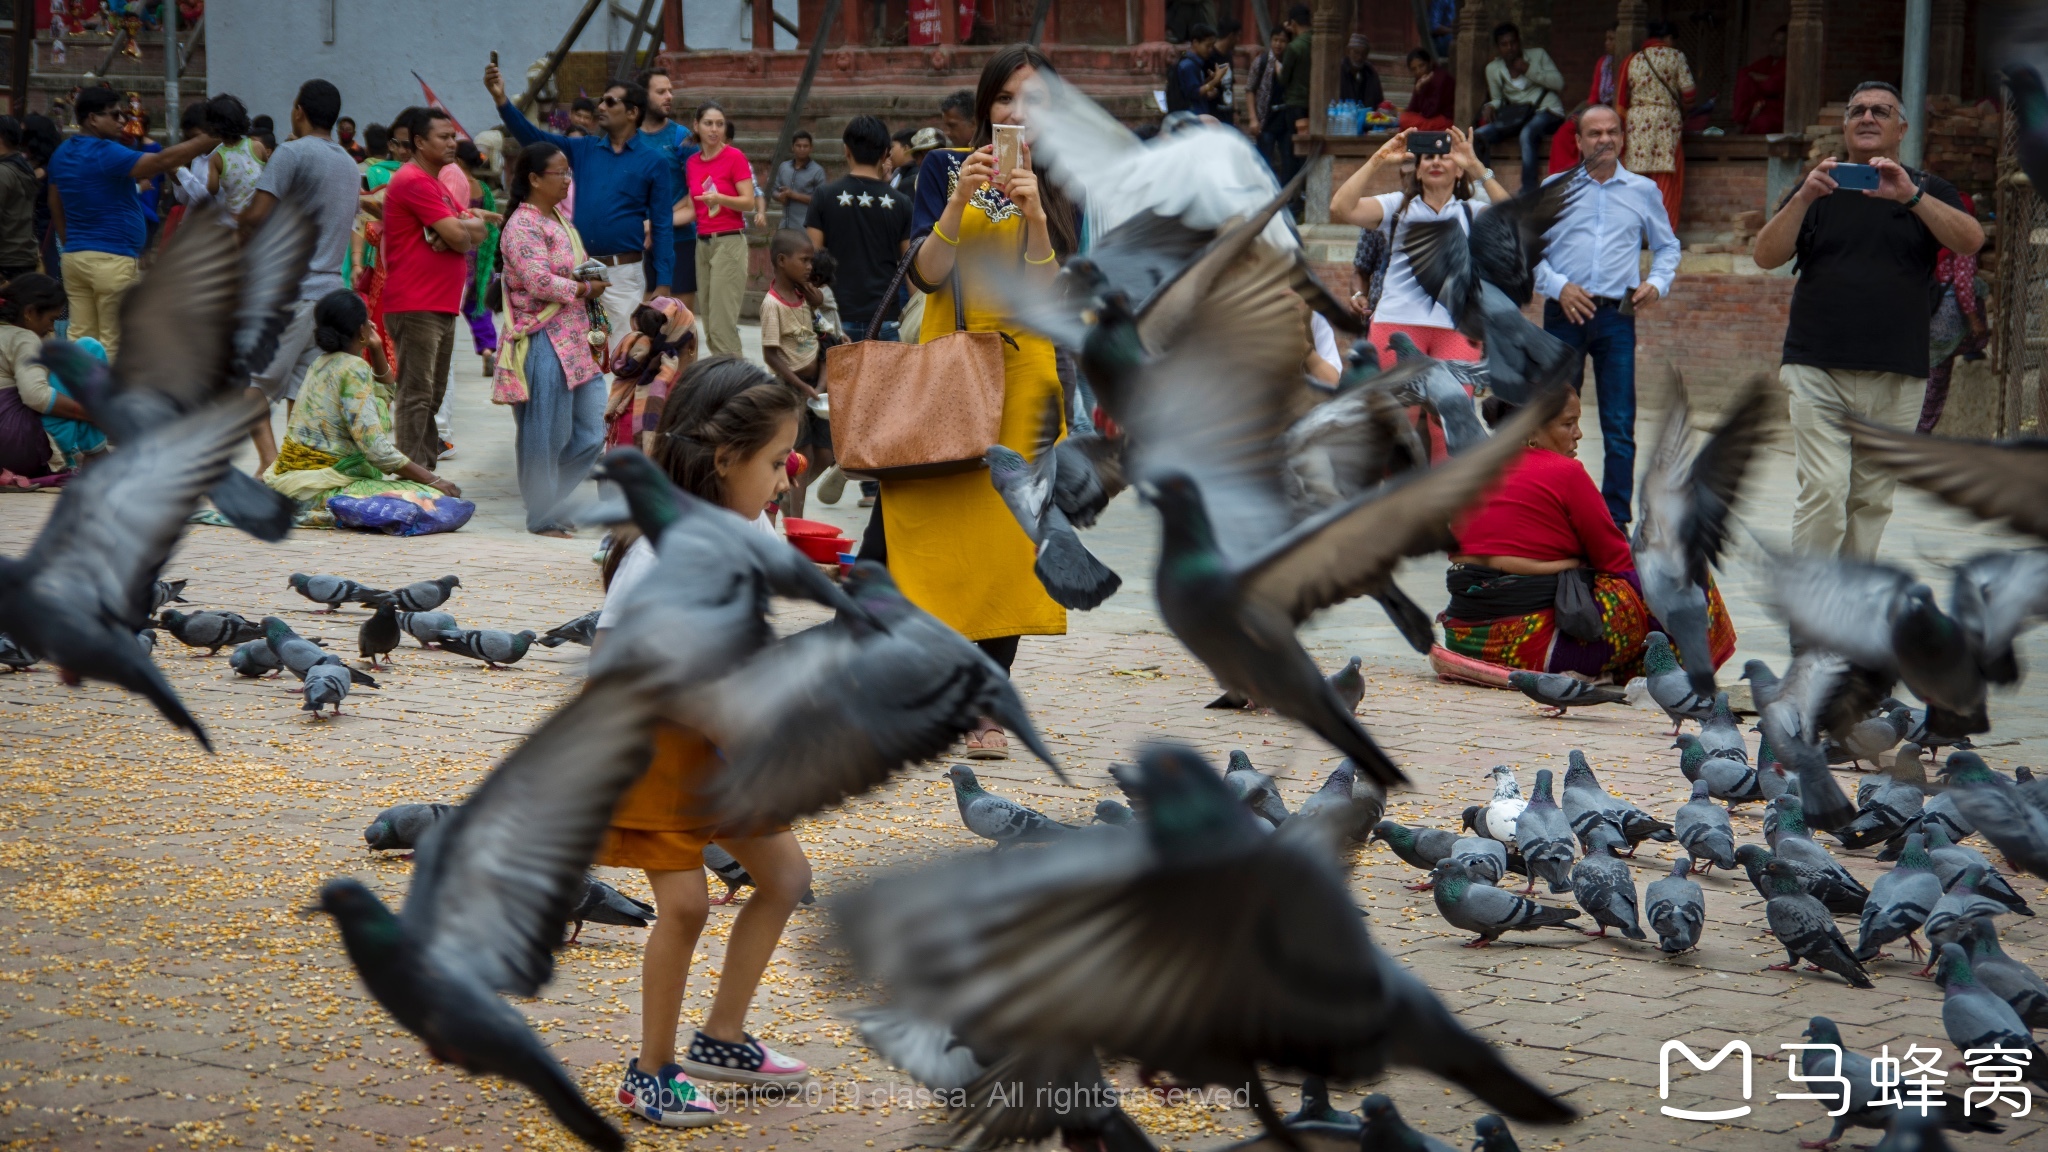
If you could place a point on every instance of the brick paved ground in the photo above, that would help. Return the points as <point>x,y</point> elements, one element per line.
<point>159,989</point>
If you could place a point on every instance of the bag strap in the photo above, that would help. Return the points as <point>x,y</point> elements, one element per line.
<point>1677,101</point>
<point>896,282</point>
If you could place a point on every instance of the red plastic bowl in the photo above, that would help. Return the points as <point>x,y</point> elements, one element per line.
<point>822,549</point>
<point>794,527</point>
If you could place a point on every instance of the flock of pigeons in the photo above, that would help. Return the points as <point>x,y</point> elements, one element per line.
<point>1201,930</point>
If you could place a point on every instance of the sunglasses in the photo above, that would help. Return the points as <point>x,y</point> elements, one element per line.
<point>609,101</point>
<point>1879,112</point>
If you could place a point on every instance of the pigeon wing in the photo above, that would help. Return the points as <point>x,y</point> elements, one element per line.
<point>1844,606</point>
<point>176,321</point>
<point>1718,471</point>
<point>1440,255</point>
<point>1994,480</point>
<point>1078,143</point>
<point>1998,595</point>
<point>273,265</point>
<point>1166,316</point>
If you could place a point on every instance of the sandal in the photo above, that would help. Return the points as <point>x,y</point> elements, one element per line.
<point>988,744</point>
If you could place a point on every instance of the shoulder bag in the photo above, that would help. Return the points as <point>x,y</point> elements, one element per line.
<point>908,411</point>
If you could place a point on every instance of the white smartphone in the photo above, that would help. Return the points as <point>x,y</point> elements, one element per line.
<point>1009,151</point>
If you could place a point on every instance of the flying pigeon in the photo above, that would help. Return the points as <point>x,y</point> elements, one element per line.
<point>1677,909</point>
<point>326,685</point>
<point>496,649</point>
<point>379,634</point>
<point>1437,387</point>
<point>1900,902</point>
<point>1352,442</point>
<point>1992,480</point>
<point>1001,820</point>
<point>404,826</point>
<point>1805,930</point>
<point>426,627</point>
<point>1544,836</point>
<point>333,591</point>
<point>1862,1109</point>
<point>582,630</point>
<point>604,904</point>
<point>1489,911</point>
<point>425,595</point>
<point>1558,692</point>
<point>1603,885</point>
<point>1670,686</point>
<point>1071,574</point>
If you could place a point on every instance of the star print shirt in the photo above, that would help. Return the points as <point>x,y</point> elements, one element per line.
<point>864,224</point>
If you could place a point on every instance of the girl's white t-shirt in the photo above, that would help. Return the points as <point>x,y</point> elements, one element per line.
<point>1402,300</point>
<point>638,561</point>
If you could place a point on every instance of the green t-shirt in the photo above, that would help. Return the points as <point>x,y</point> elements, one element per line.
<point>1294,71</point>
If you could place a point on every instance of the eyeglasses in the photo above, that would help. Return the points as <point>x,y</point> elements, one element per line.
<point>609,101</point>
<point>1878,112</point>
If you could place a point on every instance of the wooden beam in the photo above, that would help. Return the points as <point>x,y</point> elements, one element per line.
<point>1632,23</point>
<point>554,60</point>
<point>1153,15</point>
<point>672,25</point>
<point>764,25</point>
<point>1470,50</point>
<point>1945,50</point>
<point>949,21</point>
<point>629,64</point>
<point>1804,59</point>
<point>1326,48</point>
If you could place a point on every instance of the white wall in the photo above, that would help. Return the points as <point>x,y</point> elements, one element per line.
<point>262,50</point>
<point>711,24</point>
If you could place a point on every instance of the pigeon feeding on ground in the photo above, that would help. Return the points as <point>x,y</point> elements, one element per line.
<point>1467,902</point>
<point>496,649</point>
<point>333,591</point>
<point>1486,859</point>
<point>1422,848</point>
<point>14,656</point>
<point>1255,789</point>
<point>1872,736</point>
<point>1384,1128</point>
<point>604,904</point>
<point>1114,814</point>
<point>1806,930</point>
<point>1353,805</point>
<point>254,659</point>
<point>998,819</point>
<point>1962,903</point>
<point>426,627</point>
<point>1588,806</point>
<point>1605,887</point>
<point>1317,1115</point>
<point>582,630</point>
<point>404,826</point>
<point>1497,817</point>
<point>1544,836</point>
<point>1559,692</point>
<point>1670,686</point>
<point>425,595</point>
<point>2014,982</point>
<point>1490,1134</point>
<point>147,639</point>
<point>1975,1017</point>
<point>1900,902</point>
<point>1677,908</point>
<point>1726,779</point>
<point>1862,1109</point>
<point>1703,827</point>
<point>1885,804</point>
<point>1785,831</point>
<point>2001,811</point>
<point>166,592</point>
<point>299,654</point>
<point>326,685</point>
<point>379,635</point>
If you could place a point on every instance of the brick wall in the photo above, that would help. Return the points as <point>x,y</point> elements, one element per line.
<point>1716,192</point>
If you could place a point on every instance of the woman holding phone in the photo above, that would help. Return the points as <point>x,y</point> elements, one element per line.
<point>950,541</point>
<point>1439,187</point>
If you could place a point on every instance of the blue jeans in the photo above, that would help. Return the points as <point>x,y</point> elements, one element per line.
<point>1540,127</point>
<point>559,432</point>
<point>1610,339</point>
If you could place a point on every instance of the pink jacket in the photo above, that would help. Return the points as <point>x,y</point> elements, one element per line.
<point>537,256</point>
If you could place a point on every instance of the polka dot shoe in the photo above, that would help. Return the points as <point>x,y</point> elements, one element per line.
<point>666,1098</point>
<point>751,1062</point>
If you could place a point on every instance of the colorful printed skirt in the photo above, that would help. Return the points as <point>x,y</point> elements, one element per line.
<point>1535,643</point>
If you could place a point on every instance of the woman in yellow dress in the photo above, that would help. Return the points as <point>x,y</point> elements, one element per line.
<point>950,542</point>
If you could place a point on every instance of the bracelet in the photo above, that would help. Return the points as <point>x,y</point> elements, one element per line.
<point>1049,258</point>
<point>1915,201</point>
<point>943,236</point>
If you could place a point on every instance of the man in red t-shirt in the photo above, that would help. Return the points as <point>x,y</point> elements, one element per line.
<point>426,236</point>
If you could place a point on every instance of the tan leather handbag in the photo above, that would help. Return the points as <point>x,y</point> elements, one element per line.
<point>908,411</point>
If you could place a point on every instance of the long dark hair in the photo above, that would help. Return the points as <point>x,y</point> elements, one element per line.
<point>518,186</point>
<point>1059,211</point>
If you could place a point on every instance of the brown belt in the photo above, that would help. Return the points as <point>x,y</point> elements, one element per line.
<point>618,258</point>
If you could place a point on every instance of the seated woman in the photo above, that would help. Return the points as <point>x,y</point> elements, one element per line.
<point>339,440</point>
<point>1542,580</point>
<point>36,412</point>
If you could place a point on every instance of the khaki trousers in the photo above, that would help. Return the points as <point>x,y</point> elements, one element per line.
<point>95,282</point>
<point>1844,500</point>
<point>721,288</point>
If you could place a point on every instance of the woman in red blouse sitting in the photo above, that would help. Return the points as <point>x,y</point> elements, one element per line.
<point>1542,579</point>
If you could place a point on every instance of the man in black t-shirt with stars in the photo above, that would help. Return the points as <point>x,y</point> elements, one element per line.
<point>863,222</point>
<point>1856,341</point>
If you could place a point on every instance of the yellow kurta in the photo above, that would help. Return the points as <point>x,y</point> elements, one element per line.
<point>954,548</point>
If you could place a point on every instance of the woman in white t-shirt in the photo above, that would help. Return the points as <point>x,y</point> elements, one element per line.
<point>1439,188</point>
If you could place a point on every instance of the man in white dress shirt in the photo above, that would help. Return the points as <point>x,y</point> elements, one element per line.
<point>1592,275</point>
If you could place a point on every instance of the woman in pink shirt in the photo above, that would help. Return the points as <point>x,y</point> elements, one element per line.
<point>722,192</point>
<point>547,373</point>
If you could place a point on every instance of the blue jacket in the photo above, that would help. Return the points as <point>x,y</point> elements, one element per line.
<point>615,193</point>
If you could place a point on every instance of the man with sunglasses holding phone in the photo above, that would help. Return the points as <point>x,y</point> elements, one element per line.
<point>1856,340</point>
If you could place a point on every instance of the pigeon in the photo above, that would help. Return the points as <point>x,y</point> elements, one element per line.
<point>1421,848</point>
<point>1670,686</point>
<point>1466,902</point>
<point>1255,789</point>
<point>379,634</point>
<point>1384,1129</point>
<point>425,595</point>
<point>1544,836</point>
<point>1818,882</point>
<point>207,316</point>
<point>255,659</point>
<point>1316,1114</point>
<point>14,656</point>
<point>1497,818</point>
<point>1942,810</point>
<point>1702,827</point>
<point>326,685</point>
<point>1992,480</point>
<point>1962,903</point>
<point>78,596</point>
<point>1687,500</point>
<point>1861,1109</point>
<point>1112,813</point>
<point>426,627</point>
<point>1785,831</point>
<point>1677,909</point>
<point>1603,885</point>
<point>1752,858</point>
<point>1065,946</point>
<point>1070,573</point>
<point>1490,1134</point>
<point>166,592</point>
<point>1805,930</point>
<point>1976,1017</point>
<point>582,630</point>
<point>1719,736</point>
<point>604,904</point>
<point>1872,736</point>
<point>2014,982</point>
<point>1486,859</point>
<point>1587,805</point>
<point>1558,692</point>
<point>147,639</point>
<point>496,649</point>
<point>1951,860</point>
<point>333,591</point>
<point>404,826</point>
<point>1352,804</point>
<point>1886,804</point>
<point>1348,683</point>
<point>1899,903</point>
<point>299,654</point>
<point>1821,694</point>
<point>1438,389</point>
<point>1726,779</point>
<point>2000,811</point>
<point>736,876</point>
<point>492,893</point>
<point>1351,443</point>
<point>996,818</point>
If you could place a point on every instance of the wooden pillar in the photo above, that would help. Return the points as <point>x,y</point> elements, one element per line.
<point>764,25</point>
<point>1945,50</point>
<point>1151,21</point>
<point>1052,24</point>
<point>672,25</point>
<point>949,22</point>
<point>1803,62</point>
<point>1632,23</point>
<point>854,21</point>
<point>1470,50</point>
<point>1326,48</point>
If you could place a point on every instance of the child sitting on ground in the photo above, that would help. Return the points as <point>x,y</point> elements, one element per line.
<point>725,439</point>
<point>646,363</point>
<point>789,345</point>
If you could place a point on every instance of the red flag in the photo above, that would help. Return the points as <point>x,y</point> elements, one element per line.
<point>434,102</point>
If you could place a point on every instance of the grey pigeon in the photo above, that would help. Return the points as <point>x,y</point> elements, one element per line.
<point>1861,1109</point>
<point>2014,982</point>
<point>1726,779</point>
<point>492,893</point>
<point>326,685</point>
<point>1942,810</point>
<point>1753,858</point>
<point>996,818</point>
<point>1115,814</point>
<point>404,826</point>
<point>1677,908</point>
<point>425,595</point>
<point>1951,860</point>
<point>1544,836</point>
<point>1317,1115</point>
<point>1703,827</point>
<point>1063,947</point>
<point>1385,1130</point>
<point>1352,802</point>
<point>1886,803</point>
<point>14,656</point>
<point>1352,442</point>
<point>1785,830</point>
<point>582,630</point>
<point>255,659</point>
<point>1435,387</point>
<point>603,904</point>
<point>2000,811</point>
<point>1417,847</point>
<point>1962,903</point>
<point>1490,1134</point>
<point>1992,480</point>
<point>1976,1017</point>
<point>1486,859</point>
<point>727,868</point>
<point>166,592</point>
<point>333,591</point>
<point>1070,573</point>
<point>1805,930</point>
<point>1497,816</point>
<point>1349,684</point>
<point>1587,805</point>
<point>1899,903</point>
<point>495,648</point>
<point>300,654</point>
<point>1720,736</point>
<point>1603,885</point>
<point>426,627</point>
<point>1255,789</point>
<point>147,639</point>
<point>1820,693</point>
<point>379,634</point>
<point>1670,686</point>
<point>1559,692</point>
<point>1466,902</point>
<point>1872,736</point>
<point>212,631</point>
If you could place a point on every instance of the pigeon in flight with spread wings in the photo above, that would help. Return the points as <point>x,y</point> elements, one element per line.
<point>1998,480</point>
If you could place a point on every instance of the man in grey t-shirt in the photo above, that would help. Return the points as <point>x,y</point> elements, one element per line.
<point>795,180</point>
<point>321,180</point>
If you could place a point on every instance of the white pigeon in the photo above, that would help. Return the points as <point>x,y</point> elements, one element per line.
<point>1497,816</point>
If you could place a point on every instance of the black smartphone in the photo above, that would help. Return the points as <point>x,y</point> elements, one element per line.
<point>1860,176</point>
<point>1429,143</point>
